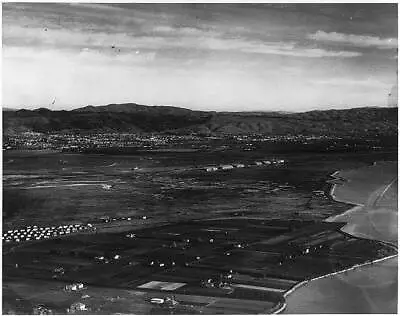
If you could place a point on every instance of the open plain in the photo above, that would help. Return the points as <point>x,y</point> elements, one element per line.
<point>161,231</point>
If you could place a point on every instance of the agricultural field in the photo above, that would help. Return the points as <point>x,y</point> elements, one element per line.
<point>158,226</point>
<point>60,188</point>
<point>228,259</point>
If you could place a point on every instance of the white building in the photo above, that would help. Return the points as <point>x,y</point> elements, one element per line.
<point>226,167</point>
<point>211,169</point>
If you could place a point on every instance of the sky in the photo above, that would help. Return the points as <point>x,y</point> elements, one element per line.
<point>221,57</point>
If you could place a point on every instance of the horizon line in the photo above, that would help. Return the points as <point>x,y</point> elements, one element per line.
<point>11,108</point>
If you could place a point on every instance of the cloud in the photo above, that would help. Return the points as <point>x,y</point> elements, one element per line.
<point>86,56</point>
<point>211,40</point>
<point>353,83</point>
<point>355,40</point>
<point>275,48</point>
<point>177,38</point>
<point>213,57</point>
<point>35,77</point>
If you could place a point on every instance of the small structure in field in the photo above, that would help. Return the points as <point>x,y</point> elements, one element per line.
<point>226,167</point>
<point>77,307</point>
<point>211,169</point>
<point>74,287</point>
<point>42,310</point>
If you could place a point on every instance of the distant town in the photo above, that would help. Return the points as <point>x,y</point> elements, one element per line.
<point>81,142</point>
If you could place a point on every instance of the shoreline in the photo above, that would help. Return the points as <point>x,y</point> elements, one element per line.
<point>348,212</point>
<point>356,207</point>
<point>332,193</point>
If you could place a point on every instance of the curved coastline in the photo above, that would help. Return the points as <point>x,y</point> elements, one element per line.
<point>306,282</point>
<point>336,176</point>
<point>357,207</point>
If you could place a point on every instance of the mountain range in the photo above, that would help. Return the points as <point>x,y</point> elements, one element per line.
<point>131,117</point>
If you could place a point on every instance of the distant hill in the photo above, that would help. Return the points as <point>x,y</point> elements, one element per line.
<point>138,108</point>
<point>4,108</point>
<point>131,117</point>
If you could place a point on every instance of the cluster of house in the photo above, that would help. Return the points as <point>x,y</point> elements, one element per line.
<point>74,287</point>
<point>76,141</point>
<point>104,259</point>
<point>77,307</point>
<point>31,233</point>
<point>160,264</point>
<point>42,310</point>
<point>301,251</point>
<point>223,281</point>
<point>241,165</point>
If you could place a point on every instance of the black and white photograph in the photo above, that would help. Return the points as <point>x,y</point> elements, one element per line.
<point>199,158</point>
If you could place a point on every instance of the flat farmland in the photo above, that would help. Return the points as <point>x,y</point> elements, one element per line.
<point>226,268</point>
<point>236,239</point>
<point>61,188</point>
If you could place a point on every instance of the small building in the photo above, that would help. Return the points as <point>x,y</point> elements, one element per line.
<point>258,163</point>
<point>74,287</point>
<point>226,167</point>
<point>59,270</point>
<point>156,300</point>
<point>77,307</point>
<point>42,310</point>
<point>170,301</point>
<point>239,165</point>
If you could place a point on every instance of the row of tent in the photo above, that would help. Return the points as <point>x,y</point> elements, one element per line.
<point>31,233</point>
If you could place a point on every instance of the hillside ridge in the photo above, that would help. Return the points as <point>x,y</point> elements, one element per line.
<point>136,118</point>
